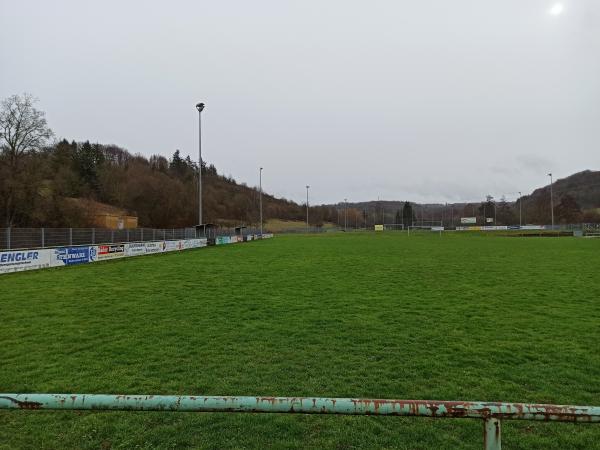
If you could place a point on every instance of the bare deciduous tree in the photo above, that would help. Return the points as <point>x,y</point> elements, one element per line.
<point>23,130</point>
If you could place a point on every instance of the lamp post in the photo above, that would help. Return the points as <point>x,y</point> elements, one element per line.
<point>520,210</point>
<point>345,214</point>
<point>551,201</point>
<point>307,187</point>
<point>260,199</point>
<point>200,107</point>
<point>484,218</point>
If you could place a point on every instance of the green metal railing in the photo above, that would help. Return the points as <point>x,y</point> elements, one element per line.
<point>490,412</point>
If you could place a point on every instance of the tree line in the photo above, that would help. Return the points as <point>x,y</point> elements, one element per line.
<point>65,183</point>
<point>45,183</point>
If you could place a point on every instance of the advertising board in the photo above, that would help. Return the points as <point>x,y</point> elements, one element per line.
<point>18,260</point>
<point>378,227</point>
<point>468,220</point>
<point>154,247</point>
<point>170,246</point>
<point>110,251</point>
<point>221,240</point>
<point>135,249</point>
<point>67,256</point>
<point>193,243</point>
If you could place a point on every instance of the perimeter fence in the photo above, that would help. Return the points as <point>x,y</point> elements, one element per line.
<point>25,238</point>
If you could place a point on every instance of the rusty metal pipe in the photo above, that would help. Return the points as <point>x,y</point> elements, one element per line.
<point>303,405</point>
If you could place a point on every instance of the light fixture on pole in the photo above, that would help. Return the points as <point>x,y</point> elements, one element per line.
<point>260,199</point>
<point>520,209</point>
<point>551,201</point>
<point>200,107</point>
<point>345,214</point>
<point>307,187</point>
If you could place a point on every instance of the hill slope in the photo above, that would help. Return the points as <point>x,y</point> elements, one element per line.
<point>60,185</point>
<point>584,187</point>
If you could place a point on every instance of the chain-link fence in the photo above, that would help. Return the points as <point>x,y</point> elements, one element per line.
<point>21,238</point>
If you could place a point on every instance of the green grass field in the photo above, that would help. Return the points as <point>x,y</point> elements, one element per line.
<point>456,317</point>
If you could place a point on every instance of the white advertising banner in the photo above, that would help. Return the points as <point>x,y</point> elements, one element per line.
<point>18,260</point>
<point>194,243</point>
<point>468,220</point>
<point>173,245</point>
<point>154,247</point>
<point>135,249</point>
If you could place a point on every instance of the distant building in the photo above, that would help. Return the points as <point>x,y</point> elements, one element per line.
<point>115,221</point>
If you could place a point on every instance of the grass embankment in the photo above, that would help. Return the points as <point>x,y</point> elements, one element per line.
<point>280,226</point>
<point>456,317</point>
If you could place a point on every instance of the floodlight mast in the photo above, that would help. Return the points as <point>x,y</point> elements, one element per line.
<point>307,227</point>
<point>345,214</point>
<point>551,201</point>
<point>200,108</point>
<point>260,197</point>
<point>520,211</point>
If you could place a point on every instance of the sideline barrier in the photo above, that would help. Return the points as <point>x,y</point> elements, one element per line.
<point>491,413</point>
<point>21,260</point>
<point>502,228</point>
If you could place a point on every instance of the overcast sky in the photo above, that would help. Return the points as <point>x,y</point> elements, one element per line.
<point>429,100</point>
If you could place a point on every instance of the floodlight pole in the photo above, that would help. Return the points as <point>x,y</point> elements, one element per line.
<point>260,199</point>
<point>200,107</point>
<point>484,218</point>
<point>520,211</point>
<point>345,214</point>
<point>307,227</point>
<point>551,201</point>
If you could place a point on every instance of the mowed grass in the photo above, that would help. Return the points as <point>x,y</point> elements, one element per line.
<point>456,317</point>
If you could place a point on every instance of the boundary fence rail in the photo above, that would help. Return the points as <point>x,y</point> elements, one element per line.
<point>491,413</point>
<point>26,238</point>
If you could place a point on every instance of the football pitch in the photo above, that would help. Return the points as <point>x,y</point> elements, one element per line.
<point>454,317</point>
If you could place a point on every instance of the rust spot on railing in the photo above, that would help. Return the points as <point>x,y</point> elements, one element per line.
<point>23,404</point>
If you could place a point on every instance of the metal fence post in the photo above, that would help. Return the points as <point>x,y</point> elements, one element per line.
<point>112,236</point>
<point>492,434</point>
<point>43,238</point>
<point>93,235</point>
<point>127,234</point>
<point>70,236</point>
<point>8,238</point>
<point>153,234</point>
